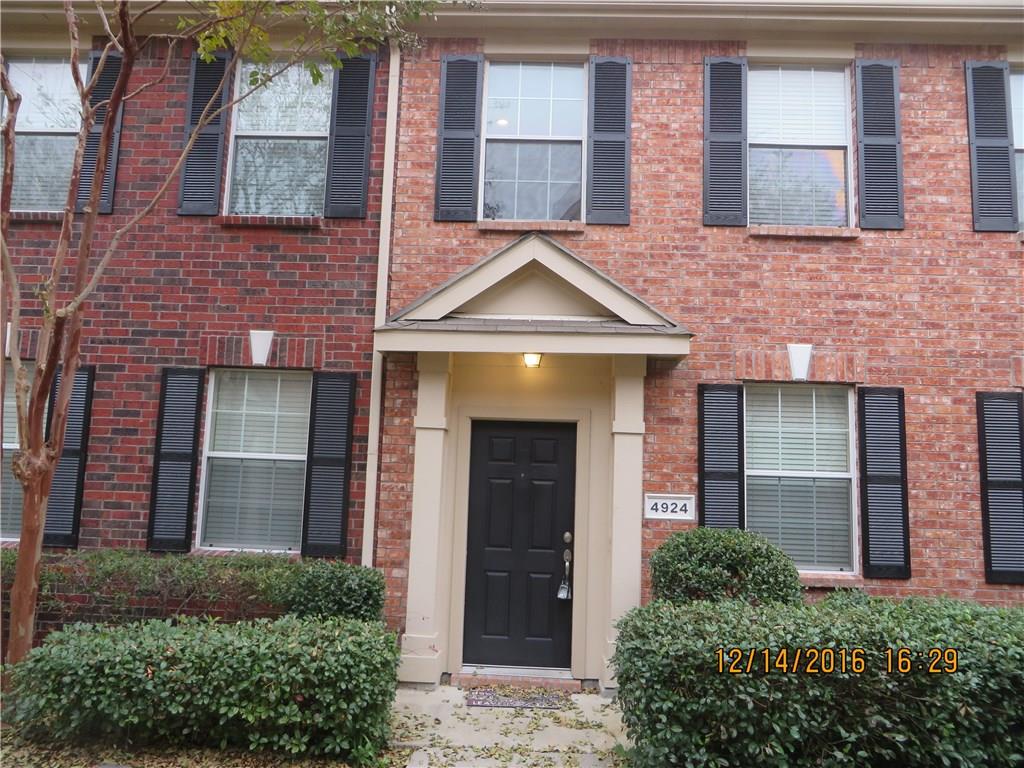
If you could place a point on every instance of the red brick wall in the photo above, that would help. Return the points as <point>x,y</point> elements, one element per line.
<point>185,290</point>
<point>935,308</point>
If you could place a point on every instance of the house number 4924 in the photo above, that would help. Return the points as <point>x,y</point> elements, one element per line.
<point>669,506</point>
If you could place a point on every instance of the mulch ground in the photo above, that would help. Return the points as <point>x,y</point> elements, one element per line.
<point>14,754</point>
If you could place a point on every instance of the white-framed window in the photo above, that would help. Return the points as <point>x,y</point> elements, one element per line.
<point>1017,111</point>
<point>799,472</point>
<point>798,127</point>
<point>279,145</point>
<point>254,460</point>
<point>534,129</point>
<point>46,132</point>
<point>10,488</point>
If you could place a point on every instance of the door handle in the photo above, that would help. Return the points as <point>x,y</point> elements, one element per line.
<point>564,589</point>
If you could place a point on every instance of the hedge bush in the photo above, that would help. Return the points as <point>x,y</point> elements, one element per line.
<point>324,588</point>
<point>128,585</point>
<point>718,564</point>
<point>301,686</point>
<point>679,709</point>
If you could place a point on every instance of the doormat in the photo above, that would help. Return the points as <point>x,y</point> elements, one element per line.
<point>516,697</point>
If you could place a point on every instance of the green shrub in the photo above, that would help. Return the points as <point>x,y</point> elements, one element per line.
<point>679,709</point>
<point>324,588</point>
<point>128,585</point>
<point>292,685</point>
<point>717,564</point>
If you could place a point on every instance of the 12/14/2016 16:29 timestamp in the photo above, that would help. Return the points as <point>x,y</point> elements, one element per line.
<point>827,661</point>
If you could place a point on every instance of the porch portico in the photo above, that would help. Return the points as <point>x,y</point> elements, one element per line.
<point>498,502</point>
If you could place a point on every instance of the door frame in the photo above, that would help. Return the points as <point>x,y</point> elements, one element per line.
<point>581,417</point>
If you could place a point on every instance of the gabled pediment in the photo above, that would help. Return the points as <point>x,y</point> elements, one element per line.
<point>533,295</point>
<point>534,278</point>
<point>533,292</point>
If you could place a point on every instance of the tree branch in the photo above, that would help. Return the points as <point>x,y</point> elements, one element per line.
<point>163,73</point>
<point>106,25</point>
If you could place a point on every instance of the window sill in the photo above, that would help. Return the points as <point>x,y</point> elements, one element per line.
<point>228,551</point>
<point>292,222</point>
<point>831,581</point>
<point>819,233</point>
<point>531,226</point>
<point>55,216</point>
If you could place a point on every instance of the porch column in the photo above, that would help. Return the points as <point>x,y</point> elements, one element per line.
<point>627,494</point>
<point>425,636</point>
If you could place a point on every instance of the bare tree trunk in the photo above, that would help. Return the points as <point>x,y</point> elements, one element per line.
<point>25,591</point>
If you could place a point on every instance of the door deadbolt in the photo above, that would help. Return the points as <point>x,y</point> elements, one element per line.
<point>567,537</point>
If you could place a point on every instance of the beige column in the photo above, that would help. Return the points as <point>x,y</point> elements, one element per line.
<point>426,618</point>
<point>627,494</point>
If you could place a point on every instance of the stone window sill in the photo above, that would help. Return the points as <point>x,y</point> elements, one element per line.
<point>531,226</point>
<point>56,216</point>
<point>831,581</point>
<point>293,222</point>
<point>819,233</point>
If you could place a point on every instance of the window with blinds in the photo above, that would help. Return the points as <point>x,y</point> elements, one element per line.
<point>1017,109</point>
<point>255,464</point>
<point>46,133</point>
<point>10,488</point>
<point>798,472</point>
<point>279,149</point>
<point>799,138</point>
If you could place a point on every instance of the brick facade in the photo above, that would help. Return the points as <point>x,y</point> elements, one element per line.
<point>185,290</point>
<point>933,308</point>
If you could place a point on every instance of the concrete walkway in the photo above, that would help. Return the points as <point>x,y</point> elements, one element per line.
<point>435,729</point>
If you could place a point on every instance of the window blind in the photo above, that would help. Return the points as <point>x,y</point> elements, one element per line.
<point>256,460</point>
<point>798,484</point>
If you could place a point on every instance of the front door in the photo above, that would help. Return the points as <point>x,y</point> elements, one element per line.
<point>522,483</point>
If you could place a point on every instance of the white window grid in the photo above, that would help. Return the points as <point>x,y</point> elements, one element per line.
<point>236,132</point>
<point>1017,118</point>
<point>847,119</point>
<point>210,453</point>
<point>581,139</point>
<point>51,132</point>
<point>850,474</point>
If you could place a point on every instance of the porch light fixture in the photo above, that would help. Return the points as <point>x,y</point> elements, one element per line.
<point>259,346</point>
<point>532,359</point>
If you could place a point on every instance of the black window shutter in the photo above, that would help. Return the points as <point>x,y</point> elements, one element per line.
<point>328,464</point>
<point>993,174</point>
<point>880,145</point>
<point>348,163</point>
<point>458,138</point>
<point>201,172</point>
<point>725,141</point>
<point>64,510</point>
<point>884,504</point>
<point>608,139</point>
<point>720,455</point>
<point>104,87</point>
<point>1001,448</point>
<point>173,491</point>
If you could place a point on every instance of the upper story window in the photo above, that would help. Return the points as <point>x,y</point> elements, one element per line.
<point>799,472</point>
<point>46,133</point>
<point>799,139</point>
<point>279,149</point>
<point>255,472</point>
<point>1017,108</point>
<point>533,148</point>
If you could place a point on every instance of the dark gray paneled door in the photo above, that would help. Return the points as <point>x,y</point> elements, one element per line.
<point>521,501</point>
